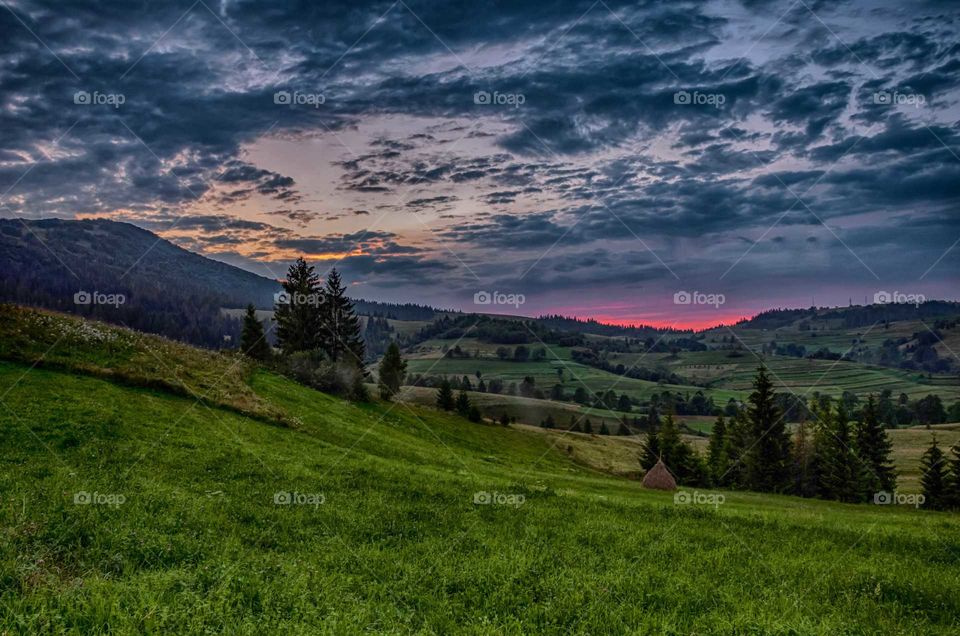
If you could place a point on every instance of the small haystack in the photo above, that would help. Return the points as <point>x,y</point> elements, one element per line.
<point>659,478</point>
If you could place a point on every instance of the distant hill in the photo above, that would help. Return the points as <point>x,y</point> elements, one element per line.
<point>165,289</point>
<point>591,326</point>
<point>854,316</point>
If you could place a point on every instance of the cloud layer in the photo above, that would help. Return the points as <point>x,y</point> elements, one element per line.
<point>772,151</point>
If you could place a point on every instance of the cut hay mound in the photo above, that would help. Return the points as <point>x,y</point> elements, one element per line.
<point>659,478</point>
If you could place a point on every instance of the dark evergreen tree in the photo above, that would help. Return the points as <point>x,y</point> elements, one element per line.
<point>624,403</point>
<point>253,342</point>
<point>653,419</point>
<point>933,477</point>
<point>340,337</point>
<point>393,369</point>
<point>603,428</point>
<point>445,399</point>
<point>738,435</point>
<point>650,451</point>
<point>718,453</point>
<point>298,308</point>
<point>474,414</point>
<point>680,458</point>
<point>463,403</point>
<point>874,448</point>
<point>767,459</point>
<point>843,475</point>
<point>586,427</point>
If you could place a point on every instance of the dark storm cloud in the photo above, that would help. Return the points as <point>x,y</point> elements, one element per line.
<point>436,203</point>
<point>600,150</point>
<point>300,216</point>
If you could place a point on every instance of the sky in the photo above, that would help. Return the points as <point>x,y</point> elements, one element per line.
<point>669,163</point>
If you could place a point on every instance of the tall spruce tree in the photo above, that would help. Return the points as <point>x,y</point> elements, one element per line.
<point>650,451</point>
<point>767,460</point>
<point>717,453</point>
<point>843,475</point>
<point>393,368</point>
<point>445,399</point>
<point>463,403</point>
<point>803,453</point>
<point>738,439</point>
<point>341,337</point>
<point>297,311</point>
<point>874,448</point>
<point>253,342</point>
<point>933,477</point>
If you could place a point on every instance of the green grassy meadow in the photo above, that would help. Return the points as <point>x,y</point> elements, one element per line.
<point>389,529</point>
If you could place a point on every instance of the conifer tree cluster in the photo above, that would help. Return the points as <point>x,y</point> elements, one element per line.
<point>318,334</point>
<point>315,317</point>
<point>461,403</point>
<point>830,458</point>
<point>940,477</point>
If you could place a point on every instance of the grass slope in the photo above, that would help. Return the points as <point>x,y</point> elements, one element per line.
<point>399,546</point>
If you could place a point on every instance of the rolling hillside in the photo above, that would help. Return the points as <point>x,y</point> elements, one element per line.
<point>165,289</point>
<point>202,494</point>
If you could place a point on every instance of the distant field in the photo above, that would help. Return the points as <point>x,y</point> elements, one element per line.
<point>526,410</point>
<point>836,338</point>
<point>725,376</point>
<point>799,375</point>
<point>910,443</point>
<point>428,359</point>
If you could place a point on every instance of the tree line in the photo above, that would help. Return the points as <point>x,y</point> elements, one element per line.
<point>833,456</point>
